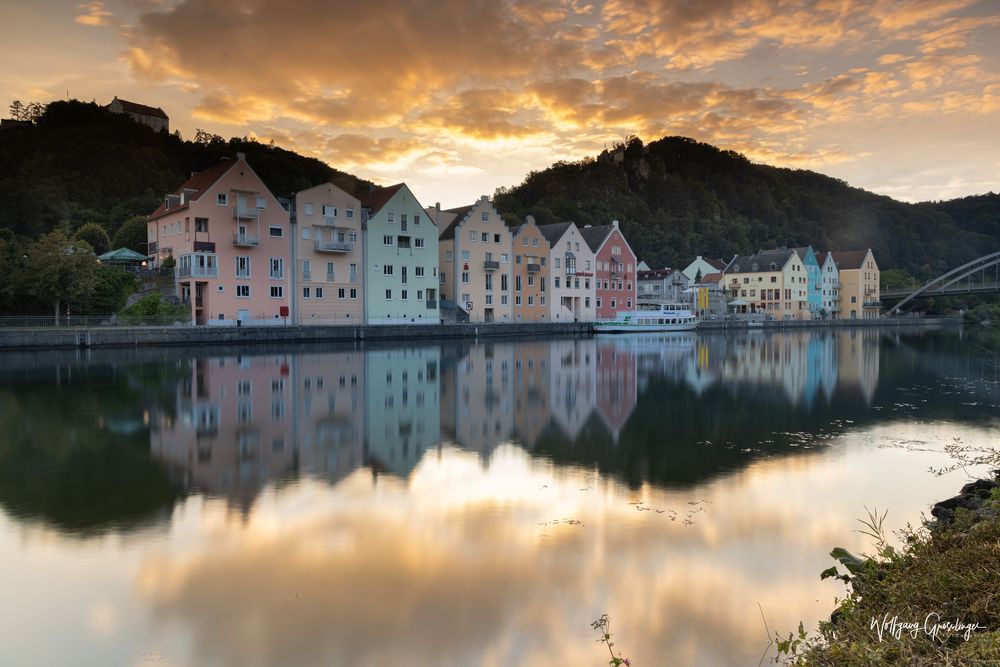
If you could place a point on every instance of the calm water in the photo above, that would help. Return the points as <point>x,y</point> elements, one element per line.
<point>461,503</point>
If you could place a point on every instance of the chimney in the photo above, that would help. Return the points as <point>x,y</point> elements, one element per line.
<point>614,223</point>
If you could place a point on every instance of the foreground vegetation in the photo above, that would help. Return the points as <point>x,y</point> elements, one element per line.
<point>934,602</point>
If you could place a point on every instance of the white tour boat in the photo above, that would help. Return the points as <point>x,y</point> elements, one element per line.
<point>661,317</point>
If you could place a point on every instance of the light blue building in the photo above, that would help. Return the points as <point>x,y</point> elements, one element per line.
<point>815,277</point>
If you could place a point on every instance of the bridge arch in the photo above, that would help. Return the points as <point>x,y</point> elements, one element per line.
<point>946,279</point>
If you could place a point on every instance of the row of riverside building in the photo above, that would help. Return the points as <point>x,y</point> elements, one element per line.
<point>324,256</point>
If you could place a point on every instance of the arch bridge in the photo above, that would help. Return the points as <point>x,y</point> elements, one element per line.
<point>951,283</point>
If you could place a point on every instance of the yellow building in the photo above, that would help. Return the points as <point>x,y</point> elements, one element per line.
<point>859,285</point>
<point>770,282</point>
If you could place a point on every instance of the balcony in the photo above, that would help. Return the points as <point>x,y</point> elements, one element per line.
<point>246,213</point>
<point>204,246</point>
<point>534,268</point>
<point>873,304</point>
<point>431,305</point>
<point>329,277</point>
<point>306,276</point>
<point>329,245</point>
<point>197,272</point>
<point>246,240</point>
<point>490,265</point>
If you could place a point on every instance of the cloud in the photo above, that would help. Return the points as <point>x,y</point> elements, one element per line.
<point>360,149</point>
<point>93,14</point>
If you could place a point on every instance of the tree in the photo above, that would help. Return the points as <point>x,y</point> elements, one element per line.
<point>697,277</point>
<point>59,270</point>
<point>96,236</point>
<point>896,279</point>
<point>132,235</point>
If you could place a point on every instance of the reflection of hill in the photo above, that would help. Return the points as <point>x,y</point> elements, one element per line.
<point>77,457</point>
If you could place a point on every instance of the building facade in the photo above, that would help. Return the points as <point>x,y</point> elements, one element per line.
<point>229,237</point>
<point>815,291</point>
<point>663,286</point>
<point>531,273</point>
<point>153,117</point>
<point>571,267</point>
<point>327,256</point>
<point>859,285</point>
<point>400,258</point>
<point>829,286</point>
<point>475,262</point>
<point>771,282</point>
<point>702,266</point>
<point>614,270</point>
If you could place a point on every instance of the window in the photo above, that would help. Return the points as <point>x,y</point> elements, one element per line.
<point>416,218</point>
<point>403,295</point>
<point>586,302</point>
<point>201,224</point>
<point>531,301</point>
<point>277,291</point>
<point>418,271</point>
<point>489,299</point>
<point>485,237</point>
<point>277,232</point>
<point>243,291</point>
<point>306,293</point>
<point>387,270</point>
<point>341,293</point>
<point>349,213</point>
<point>306,269</point>
<point>447,255</point>
<point>308,209</point>
<point>465,255</point>
<point>486,216</point>
<point>306,233</point>
<point>354,293</point>
<point>418,243</point>
<point>319,292</point>
<point>277,268</point>
<point>388,295</point>
<point>242,267</point>
<point>556,283</point>
<point>534,242</point>
<point>517,299</point>
<point>390,217</point>
<point>503,299</point>
<point>598,302</point>
<point>388,240</point>
<point>503,282</point>
<point>496,238</point>
<point>329,211</point>
<point>465,276</point>
<point>472,237</point>
<point>222,199</point>
<point>504,258</point>
<point>402,219</point>
<point>531,281</point>
<point>557,263</point>
<point>261,201</point>
<point>526,241</point>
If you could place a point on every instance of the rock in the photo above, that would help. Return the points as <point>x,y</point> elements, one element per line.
<point>942,514</point>
<point>969,501</point>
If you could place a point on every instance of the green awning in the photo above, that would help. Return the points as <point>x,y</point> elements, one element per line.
<point>122,256</point>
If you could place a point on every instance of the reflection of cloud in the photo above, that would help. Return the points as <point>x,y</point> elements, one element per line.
<point>452,566</point>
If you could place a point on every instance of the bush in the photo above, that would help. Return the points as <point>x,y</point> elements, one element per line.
<point>153,309</point>
<point>96,236</point>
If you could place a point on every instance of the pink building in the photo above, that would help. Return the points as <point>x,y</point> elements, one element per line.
<point>229,237</point>
<point>614,274</point>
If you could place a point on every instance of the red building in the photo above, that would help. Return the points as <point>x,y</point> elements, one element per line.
<point>614,273</point>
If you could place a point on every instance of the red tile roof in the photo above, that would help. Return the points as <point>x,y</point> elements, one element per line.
<point>849,259</point>
<point>715,263</point>
<point>142,109</point>
<point>712,278</point>
<point>378,198</point>
<point>199,182</point>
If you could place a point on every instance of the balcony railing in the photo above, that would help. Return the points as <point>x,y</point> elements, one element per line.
<point>534,268</point>
<point>246,240</point>
<point>246,213</point>
<point>197,272</point>
<point>873,304</point>
<point>329,276</point>
<point>490,265</point>
<point>306,276</point>
<point>329,245</point>
<point>432,304</point>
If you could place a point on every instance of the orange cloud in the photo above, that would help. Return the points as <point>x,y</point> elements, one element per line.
<point>93,14</point>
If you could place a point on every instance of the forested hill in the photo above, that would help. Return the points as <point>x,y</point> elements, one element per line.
<point>677,198</point>
<point>78,163</point>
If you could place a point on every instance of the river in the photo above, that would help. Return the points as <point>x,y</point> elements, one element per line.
<point>459,502</point>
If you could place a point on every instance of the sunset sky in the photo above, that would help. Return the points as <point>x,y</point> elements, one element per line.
<point>458,97</point>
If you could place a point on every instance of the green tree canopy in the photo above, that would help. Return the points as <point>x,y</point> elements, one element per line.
<point>132,235</point>
<point>96,236</point>
<point>60,271</point>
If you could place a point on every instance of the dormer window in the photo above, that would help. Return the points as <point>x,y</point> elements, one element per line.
<point>774,267</point>
<point>222,199</point>
<point>755,267</point>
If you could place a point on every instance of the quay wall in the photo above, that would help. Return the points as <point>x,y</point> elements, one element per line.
<point>97,337</point>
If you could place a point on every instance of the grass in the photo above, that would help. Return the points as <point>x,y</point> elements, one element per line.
<point>952,570</point>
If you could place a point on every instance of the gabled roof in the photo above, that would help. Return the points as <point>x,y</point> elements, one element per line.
<point>849,259</point>
<point>763,259</point>
<point>460,214</point>
<point>142,109</point>
<point>714,263</point>
<point>554,231</point>
<point>711,278</point>
<point>595,236</point>
<point>196,186</point>
<point>821,258</point>
<point>376,200</point>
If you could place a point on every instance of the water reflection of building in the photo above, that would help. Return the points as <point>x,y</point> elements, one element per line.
<point>858,354</point>
<point>478,397</point>
<point>233,430</point>
<point>402,406</point>
<point>328,402</point>
<point>532,411</point>
<point>616,383</point>
<point>573,387</point>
